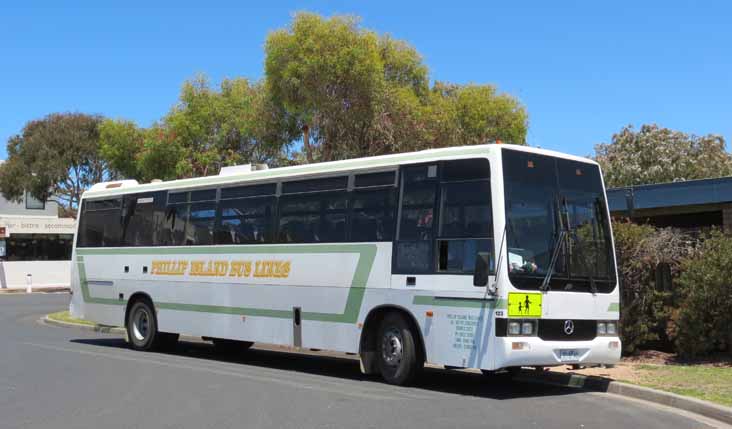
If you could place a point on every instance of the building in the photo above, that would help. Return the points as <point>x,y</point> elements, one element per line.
<point>693,205</point>
<point>35,244</point>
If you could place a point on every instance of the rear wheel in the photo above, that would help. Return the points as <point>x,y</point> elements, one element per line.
<point>230,346</point>
<point>142,326</point>
<point>399,360</point>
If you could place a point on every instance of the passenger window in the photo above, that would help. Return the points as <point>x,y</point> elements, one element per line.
<point>200,226</point>
<point>466,210</point>
<point>313,218</point>
<point>176,216</point>
<point>191,224</point>
<point>466,218</point>
<point>372,215</point>
<point>139,219</point>
<point>100,223</point>
<point>416,231</point>
<point>246,221</point>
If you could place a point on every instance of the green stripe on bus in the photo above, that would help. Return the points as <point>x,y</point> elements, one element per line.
<point>459,302</point>
<point>614,307</point>
<point>367,254</point>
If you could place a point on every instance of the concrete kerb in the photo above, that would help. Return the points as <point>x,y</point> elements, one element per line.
<point>94,328</point>
<point>599,384</point>
<point>595,384</point>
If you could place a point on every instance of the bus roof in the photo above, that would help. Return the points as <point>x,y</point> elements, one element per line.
<point>383,162</point>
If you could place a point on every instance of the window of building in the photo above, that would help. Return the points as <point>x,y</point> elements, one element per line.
<point>33,203</point>
<point>38,247</point>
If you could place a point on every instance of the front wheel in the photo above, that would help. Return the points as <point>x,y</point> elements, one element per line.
<point>399,360</point>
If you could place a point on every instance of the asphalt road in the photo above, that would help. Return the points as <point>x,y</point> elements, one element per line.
<point>54,377</point>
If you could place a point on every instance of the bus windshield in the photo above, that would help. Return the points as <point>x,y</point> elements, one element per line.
<point>545,196</point>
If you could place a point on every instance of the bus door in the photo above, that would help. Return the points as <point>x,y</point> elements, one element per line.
<point>446,224</point>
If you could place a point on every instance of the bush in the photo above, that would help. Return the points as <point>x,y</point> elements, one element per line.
<point>703,323</point>
<point>646,300</point>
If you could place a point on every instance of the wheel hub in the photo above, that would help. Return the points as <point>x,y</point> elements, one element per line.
<point>391,347</point>
<point>140,325</point>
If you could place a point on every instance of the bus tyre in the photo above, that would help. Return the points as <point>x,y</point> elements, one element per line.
<point>230,346</point>
<point>142,327</point>
<point>398,357</point>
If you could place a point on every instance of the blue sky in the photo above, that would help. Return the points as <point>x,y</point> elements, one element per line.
<point>583,69</point>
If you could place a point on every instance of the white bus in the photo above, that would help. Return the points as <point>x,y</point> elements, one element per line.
<point>491,257</point>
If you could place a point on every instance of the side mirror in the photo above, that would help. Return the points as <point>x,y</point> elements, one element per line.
<point>482,268</point>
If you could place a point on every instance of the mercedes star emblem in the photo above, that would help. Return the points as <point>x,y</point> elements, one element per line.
<point>568,327</point>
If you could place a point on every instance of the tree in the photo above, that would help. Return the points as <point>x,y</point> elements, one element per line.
<point>655,155</point>
<point>646,306</point>
<point>355,93</point>
<point>205,130</point>
<point>474,114</point>
<point>56,156</point>
<point>138,153</point>
<point>703,320</point>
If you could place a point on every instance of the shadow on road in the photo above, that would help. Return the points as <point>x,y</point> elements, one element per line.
<point>497,387</point>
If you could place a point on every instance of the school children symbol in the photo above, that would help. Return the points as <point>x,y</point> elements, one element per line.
<point>524,304</point>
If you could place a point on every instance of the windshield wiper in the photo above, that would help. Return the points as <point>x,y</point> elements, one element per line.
<point>555,255</point>
<point>563,234</point>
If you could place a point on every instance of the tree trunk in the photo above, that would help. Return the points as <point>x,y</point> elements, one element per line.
<point>306,143</point>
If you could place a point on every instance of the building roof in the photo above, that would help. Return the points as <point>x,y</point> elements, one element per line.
<point>674,194</point>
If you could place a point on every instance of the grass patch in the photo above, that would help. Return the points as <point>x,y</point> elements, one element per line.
<point>707,382</point>
<point>65,316</point>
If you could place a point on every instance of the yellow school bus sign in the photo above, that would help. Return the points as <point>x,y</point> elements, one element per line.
<point>524,304</point>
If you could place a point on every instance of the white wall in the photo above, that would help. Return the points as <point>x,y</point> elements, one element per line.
<point>45,273</point>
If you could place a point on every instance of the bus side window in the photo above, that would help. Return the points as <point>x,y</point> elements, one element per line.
<point>138,219</point>
<point>372,214</point>
<point>190,218</point>
<point>466,217</point>
<point>100,223</point>
<point>245,221</point>
<point>318,217</point>
<point>416,230</point>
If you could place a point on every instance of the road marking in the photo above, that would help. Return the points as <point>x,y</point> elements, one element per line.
<point>349,392</point>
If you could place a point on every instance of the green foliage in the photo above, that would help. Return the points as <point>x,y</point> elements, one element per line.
<point>474,114</point>
<point>54,156</point>
<point>646,307</point>
<point>655,155</point>
<point>361,94</point>
<point>205,130</point>
<point>120,142</point>
<point>704,319</point>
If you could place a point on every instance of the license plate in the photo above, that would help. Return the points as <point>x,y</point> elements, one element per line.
<point>569,355</point>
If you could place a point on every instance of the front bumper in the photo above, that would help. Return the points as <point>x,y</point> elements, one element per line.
<point>533,351</point>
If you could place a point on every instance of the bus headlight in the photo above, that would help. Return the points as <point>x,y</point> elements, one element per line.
<point>601,328</point>
<point>514,328</point>
<point>527,328</point>
<point>607,328</point>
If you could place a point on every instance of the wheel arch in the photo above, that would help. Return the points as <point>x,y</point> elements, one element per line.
<point>369,333</point>
<point>139,296</point>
